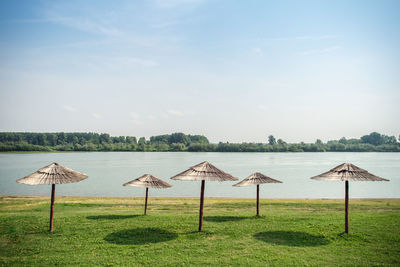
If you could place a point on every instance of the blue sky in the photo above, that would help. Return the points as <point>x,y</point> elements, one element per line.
<point>231,70</point>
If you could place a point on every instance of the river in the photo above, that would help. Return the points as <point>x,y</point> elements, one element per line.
<point>109,170</point>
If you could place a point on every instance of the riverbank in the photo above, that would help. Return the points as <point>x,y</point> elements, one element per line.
<point>194,198</point>
<point>113,231</point>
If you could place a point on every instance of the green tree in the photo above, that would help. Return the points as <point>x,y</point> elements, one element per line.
<point>41,139</point>
<point>75,140</point>
<point>281,142</point>
<point>389,139</point>
<point>131,140</point>
<point>51,139</point>
<point>105,138</point>
<point>178,138</point>
<point>271,140</point>
<point>142,141</point>
<point>373,139</point>
<point>161,146</point>
<point>178,147</point>
<point>198,139</point>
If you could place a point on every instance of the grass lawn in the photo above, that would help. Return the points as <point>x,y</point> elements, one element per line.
<point>113,231</point>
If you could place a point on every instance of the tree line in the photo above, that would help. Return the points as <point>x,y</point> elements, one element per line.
<point>14,141</point>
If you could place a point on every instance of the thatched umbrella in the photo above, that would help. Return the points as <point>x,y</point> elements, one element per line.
<point>347,172</point>
<point>257,179</point>
<point>204,171</point>
<point>53,174</point>
<point>147,181</point>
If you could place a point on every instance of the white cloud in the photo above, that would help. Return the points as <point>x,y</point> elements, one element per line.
<point>321,51</point>
<point>257,50</point>
<point>318,37</point>
<point>176,113</point>
<point>262,107</point>
<point>97,116</point>
<point>165,24</point>
<point>151,117</point>
<point>121,61</point>
<point>69,108</point>
<point>274,84</point>
<point>141,61</point>
<point>135,118</point>
<point>85,25</point>
<point>176,3</point>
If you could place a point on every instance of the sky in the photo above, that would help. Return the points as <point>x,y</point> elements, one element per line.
<point>233,71</point>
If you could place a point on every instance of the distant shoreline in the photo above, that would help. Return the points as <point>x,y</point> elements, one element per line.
<point>180,142</point>
<point>266,152</point>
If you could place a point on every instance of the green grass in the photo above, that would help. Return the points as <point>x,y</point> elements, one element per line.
<point>113,231</point>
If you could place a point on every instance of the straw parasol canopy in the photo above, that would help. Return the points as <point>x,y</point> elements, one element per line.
<point>347,172</point>
<point>53,174</point>
<point>147,180</point>
<point>257,179</point>
<point>204,171</point>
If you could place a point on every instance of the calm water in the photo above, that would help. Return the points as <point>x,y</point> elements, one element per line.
<point>109,170</point>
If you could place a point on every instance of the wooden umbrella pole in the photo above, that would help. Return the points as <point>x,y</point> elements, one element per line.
<point>258,200</point>
<point>201,205</point>
<point>53,190</point>
<point>145,202</point>
<point>346,209</point>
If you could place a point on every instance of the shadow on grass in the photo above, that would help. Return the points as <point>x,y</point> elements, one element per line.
<point>224,218</point>
<point>111,217</point>
<point>343,234</point>
<point>291,238</point>
<point>140,236</point>
<point>196,232</point>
